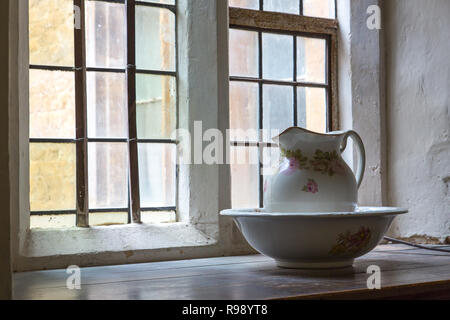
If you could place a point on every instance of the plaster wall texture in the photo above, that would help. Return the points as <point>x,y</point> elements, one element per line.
<point>418,115</point>
<point>361,96</point>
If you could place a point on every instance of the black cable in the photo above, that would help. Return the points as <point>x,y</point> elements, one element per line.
<point>415,245</point>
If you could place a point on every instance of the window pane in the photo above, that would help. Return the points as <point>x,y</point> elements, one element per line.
<point>286,6</point>
<point>160,1</point>
<point>108,175</point>
<point>107,105</point>
<point>157,174</point>
<point>244,53</point>
<point>311,60</point>
<point>52,221</point>
<point>155,39</point>
<point>246,4</point>
<point>105,34</point>
<point>319,8</point>
<point>278,108</point>
<point>52,104</point>
<point>244,177</point>
<point>155,106</point>
<point>244,103</point>
<point>51,27</point>
<point>107,218</point>
<point>52,176</point>
<point>158,217</point>
<point>312,109</point>
<point>278,57</point>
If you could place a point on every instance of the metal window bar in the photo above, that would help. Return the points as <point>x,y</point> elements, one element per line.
<point>101,210</point>
<point>82,196</point>
<point>132,129</point>
<point>80,69</point>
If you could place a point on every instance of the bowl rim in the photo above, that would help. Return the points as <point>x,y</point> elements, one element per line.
<point>359,212</point>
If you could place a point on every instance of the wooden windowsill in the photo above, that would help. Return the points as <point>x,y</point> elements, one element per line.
<point>405,273</point>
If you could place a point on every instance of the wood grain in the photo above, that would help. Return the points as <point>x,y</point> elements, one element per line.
<point>281,21</point>
<point>411,273</point>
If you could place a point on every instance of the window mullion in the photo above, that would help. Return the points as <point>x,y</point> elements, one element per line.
<point>132,130</point>
<point>82,197</point>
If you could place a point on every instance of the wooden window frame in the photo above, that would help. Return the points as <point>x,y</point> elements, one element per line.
<point>295,25</point>
<point>81,140</point>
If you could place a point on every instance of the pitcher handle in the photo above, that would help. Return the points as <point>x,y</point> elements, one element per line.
<point>361,151</point>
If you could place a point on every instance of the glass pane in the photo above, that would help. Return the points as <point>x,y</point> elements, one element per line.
<point>286,6</point>
<point>155,106</point>
<point>52,176</point>
<point>160,1</point>
<point>312,109</point>
<point>270,160</point>
<point>278,109</point>
<point>278,57</point>
<point>244,53</point>
<point>105,34</point>
<point>157,174</point>
<point>52,104</point>
<point>158,217</point>
<point>52,221</point>
<point>107,105</point>
<point>244,177</point>
<point>244,104</point>
<point>311,60</point>
<point>155,39</point>
<point>246,4</point>
<point>107,218</point>
<point>108,175</point>
<point>51,30</point>
<point>319,8</point>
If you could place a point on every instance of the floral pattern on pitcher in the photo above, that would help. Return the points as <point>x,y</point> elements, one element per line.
<point>327,163</point>
<point>351,242</point>
<point>323,162</point>
<point>299,161</point>
<point>311,186</point>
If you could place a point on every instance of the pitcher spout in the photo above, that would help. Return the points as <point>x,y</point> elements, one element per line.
<point>296,137</point>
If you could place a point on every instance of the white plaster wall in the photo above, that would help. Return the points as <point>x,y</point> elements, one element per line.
<point>418,114</point>
<point>361,95</point>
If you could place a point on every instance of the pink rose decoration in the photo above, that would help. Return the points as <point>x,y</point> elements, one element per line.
<point>289,166</point>
<point>311,186</point>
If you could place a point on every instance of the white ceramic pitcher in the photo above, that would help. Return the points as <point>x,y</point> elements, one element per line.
<point>312,176</point>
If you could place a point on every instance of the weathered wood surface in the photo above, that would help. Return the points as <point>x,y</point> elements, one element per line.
<point>281,21</point>
<point>405,272</point>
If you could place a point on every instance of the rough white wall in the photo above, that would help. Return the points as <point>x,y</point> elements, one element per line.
<point>361,96</point>
<point>418,114</point>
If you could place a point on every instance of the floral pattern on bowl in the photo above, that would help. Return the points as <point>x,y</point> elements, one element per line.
<point>351,242</point>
